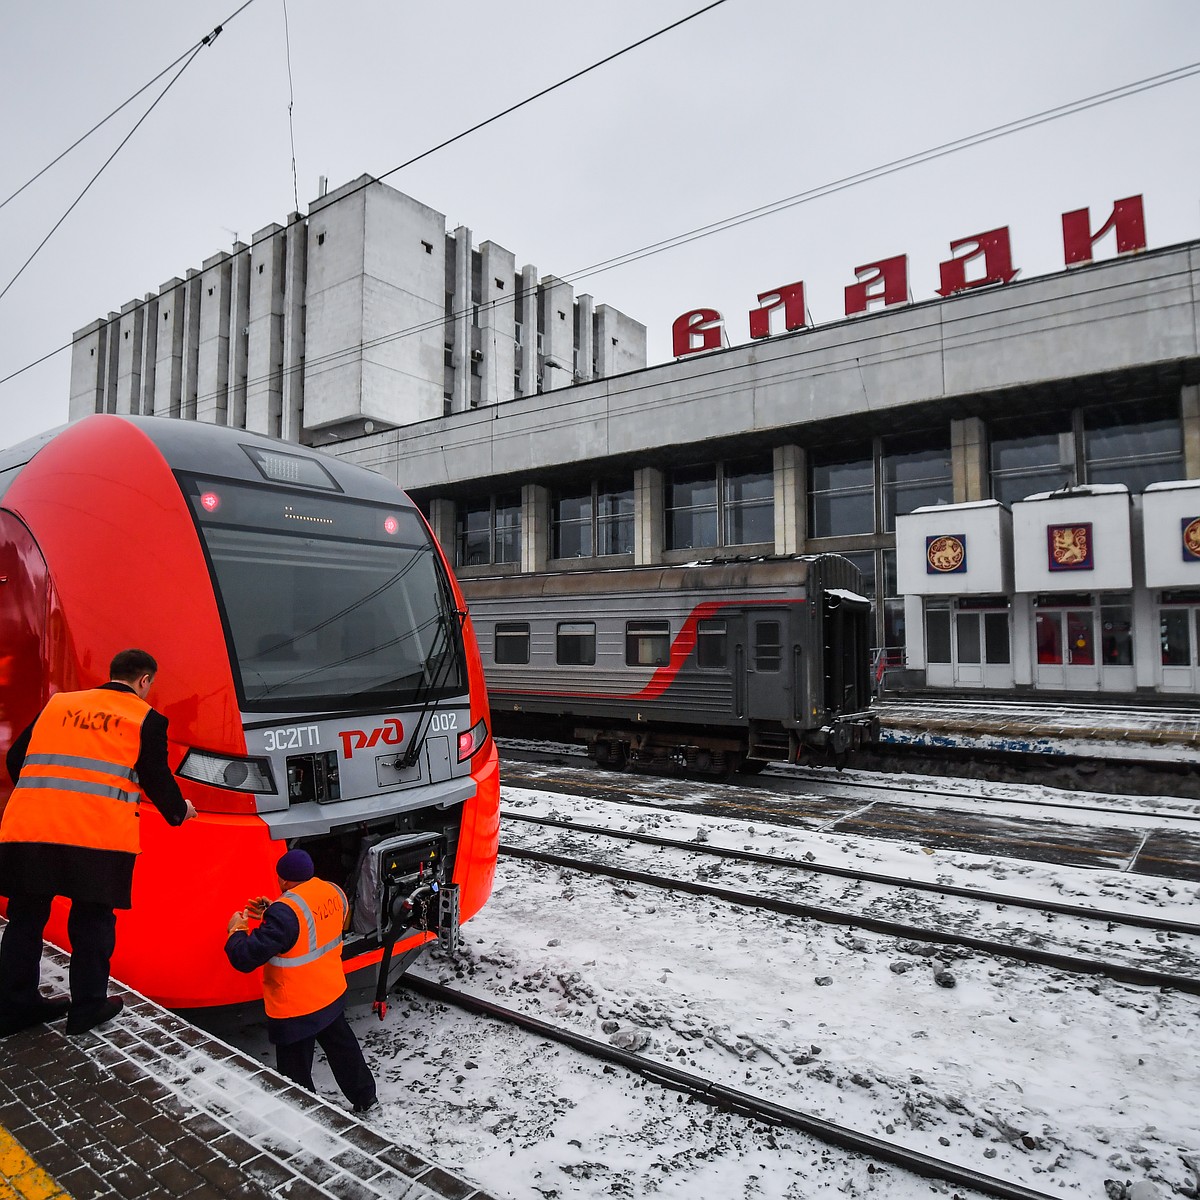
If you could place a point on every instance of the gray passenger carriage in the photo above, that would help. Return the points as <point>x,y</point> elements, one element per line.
<point>709,668</point>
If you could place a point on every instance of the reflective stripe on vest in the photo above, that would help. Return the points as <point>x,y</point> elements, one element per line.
<point>309,976</point>
<point>78,784</point>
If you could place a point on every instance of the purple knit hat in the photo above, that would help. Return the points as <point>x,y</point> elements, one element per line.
<point>295,866</point>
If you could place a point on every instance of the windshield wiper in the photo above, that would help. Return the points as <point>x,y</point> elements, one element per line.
<point>450,652</point>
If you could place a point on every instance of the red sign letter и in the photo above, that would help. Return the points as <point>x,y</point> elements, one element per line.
<point>702,323</point>
<point>1127,219</point>
<point>791,296</point>
<point>892,273</point>
<point>996,250</point>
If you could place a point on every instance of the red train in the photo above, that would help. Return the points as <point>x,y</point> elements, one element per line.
<point>316,663</point>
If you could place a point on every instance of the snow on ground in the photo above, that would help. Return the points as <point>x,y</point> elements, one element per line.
<point>1055,1081</point>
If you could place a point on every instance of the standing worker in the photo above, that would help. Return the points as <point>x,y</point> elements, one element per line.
<point>70,829</point>
<point>299,947</point>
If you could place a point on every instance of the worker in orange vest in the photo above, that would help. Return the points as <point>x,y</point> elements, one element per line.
<point>299,947</point>
<point>70,828</point>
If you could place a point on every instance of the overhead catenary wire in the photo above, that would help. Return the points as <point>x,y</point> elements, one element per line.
<point>441,145</point>
<point>207,39</point>
<point>930,154</point>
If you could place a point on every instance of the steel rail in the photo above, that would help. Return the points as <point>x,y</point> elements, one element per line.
<point>734,1100</point>
<point>771,860</point>
<point>1140,976</point>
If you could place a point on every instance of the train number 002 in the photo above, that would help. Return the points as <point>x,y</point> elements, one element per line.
<point>443,722</point>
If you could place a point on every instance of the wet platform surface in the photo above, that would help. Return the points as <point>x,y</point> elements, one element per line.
<point>150,1106</point>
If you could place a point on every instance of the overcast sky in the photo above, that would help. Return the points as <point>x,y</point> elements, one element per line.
<point>749,103</point>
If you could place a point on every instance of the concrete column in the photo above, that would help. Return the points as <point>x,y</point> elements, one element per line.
<point>1189,403</point>
<point>239,330</point>
<point>295,275</point>
<point>647,516</point>
<point>112,361</point>
<point>191,344</point>
<point>969,460</point>
<point>535,527</point>
<point>528,348</point>
<point>791,499</point>
<point>168,363</point>
<point>558,333</point>
<point>129,360</point>
<point>264,342</point>
<point>585,315</point>
<point>442,521</point>
<point>212,372</point>
<point>149,352</point>
<point>461,400</point>
<point>497,322</point>
<point>88,352</point>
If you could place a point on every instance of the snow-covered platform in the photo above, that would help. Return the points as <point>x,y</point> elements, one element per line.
<point>149,1105</point>
<point>1151,733</point>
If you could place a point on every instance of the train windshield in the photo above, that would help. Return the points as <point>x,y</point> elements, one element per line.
<point>328,602</point>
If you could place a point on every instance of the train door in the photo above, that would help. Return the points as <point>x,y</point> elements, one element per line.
<point>847,641</point>
<point>769,681</point>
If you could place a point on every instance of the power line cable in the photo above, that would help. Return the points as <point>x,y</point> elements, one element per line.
<point>770,209</point>
<point>207,39</point>
<point>479,125</point>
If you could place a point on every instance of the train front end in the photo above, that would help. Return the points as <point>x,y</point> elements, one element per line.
<point>319,671</point>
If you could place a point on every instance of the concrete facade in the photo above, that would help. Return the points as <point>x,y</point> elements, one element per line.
<point>362,316</point>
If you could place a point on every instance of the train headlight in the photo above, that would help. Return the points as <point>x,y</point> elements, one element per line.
<point>219,770</point>
<point>474,740</point>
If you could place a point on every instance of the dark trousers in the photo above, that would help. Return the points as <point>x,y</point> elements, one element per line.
<point>92,929</point>
<point>295,1060</point>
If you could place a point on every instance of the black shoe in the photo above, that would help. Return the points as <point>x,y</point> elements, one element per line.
<point>81,1020</point>
<point>25,1018</point>
<point>367,1105</point>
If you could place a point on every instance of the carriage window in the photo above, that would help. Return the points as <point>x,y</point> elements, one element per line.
<point>647,643</point>
<point>710,644</point>
<point>576,644</point>
<point>768,650</point>
<point>511,646</point>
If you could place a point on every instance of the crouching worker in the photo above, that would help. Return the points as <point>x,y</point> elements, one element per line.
<point>299,947</point>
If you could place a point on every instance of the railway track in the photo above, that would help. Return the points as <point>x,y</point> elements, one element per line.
<point>1075,963</point>
<point>818,779</point>
<point>731,1099</point>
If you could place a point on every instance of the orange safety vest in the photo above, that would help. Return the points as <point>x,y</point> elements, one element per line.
<point>79,785</point>
<point>309,975</point>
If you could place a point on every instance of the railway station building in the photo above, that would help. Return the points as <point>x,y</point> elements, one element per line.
<point>1013,465</point>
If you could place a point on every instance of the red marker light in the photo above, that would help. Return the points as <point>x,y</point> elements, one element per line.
<point>210,501</point>
<point>390,524</point>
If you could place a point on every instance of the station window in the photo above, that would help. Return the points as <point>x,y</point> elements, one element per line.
<point>596,519</point>
<point>915,471</point>
<point>489,531</point>
<point>711,644</point>
<point>511,644</point>
<point>576,644</point>
<point>842,491</point>
<point>723,504</point>
<point>1031,453</point>
<point>937,631</point>
<point>1136,443</point>
<point>647,643</point>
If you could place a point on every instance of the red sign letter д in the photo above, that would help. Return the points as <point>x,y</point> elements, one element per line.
<point>892,273</point>
<point>997,262</point>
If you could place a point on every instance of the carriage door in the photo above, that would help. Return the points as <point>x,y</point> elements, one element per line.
<point>1179,641</point>
<point>768,673</point>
